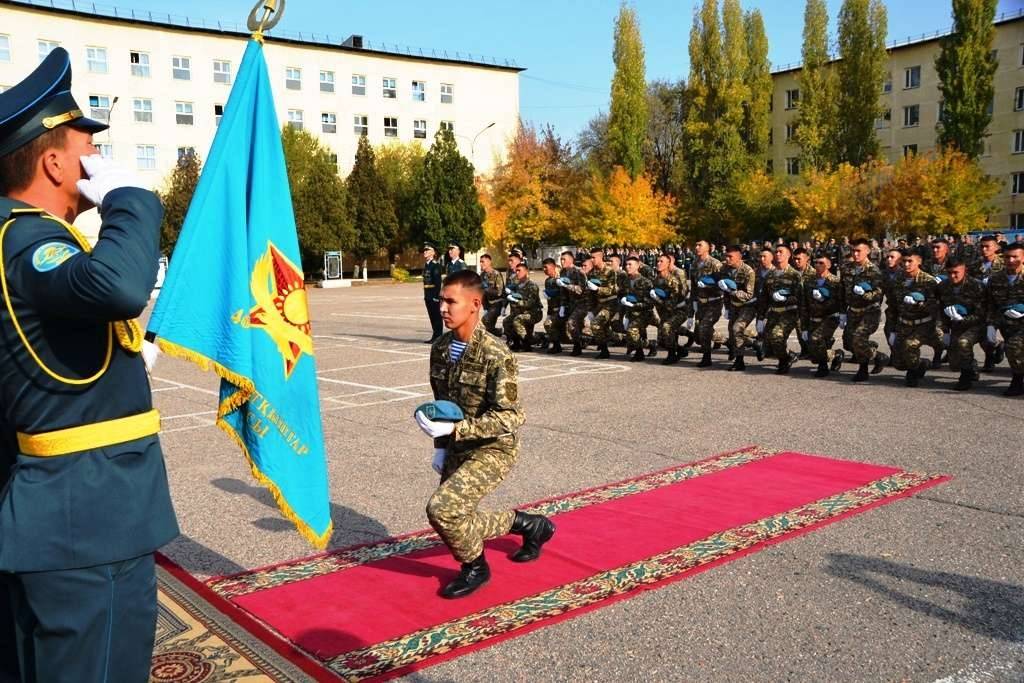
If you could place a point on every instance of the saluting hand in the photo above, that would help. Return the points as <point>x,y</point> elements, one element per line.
<point>104,176</point>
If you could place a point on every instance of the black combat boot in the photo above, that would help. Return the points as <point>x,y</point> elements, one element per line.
<point>472,575</point>
<point>966,380</point>
<point>990,361</point>
<point>602,351</point>
<point>652,349</point>
<point>822,370</point>
<point>556,347</point>
<point>543,343</point>
<point>914,375</point>
<point>837,361</point>
<point>683,351</point>
<point>732,352</point>
<point>862,373</point>
<point>705,361</point>
<point>759,349</point>
<point>526,344</point>
<point>738,364</point>
<point>785,362</point>
<point>937,361</point>
<point>671,359</point>
<point>513,342</point>
<point>577,349</point>
<point>638,355</point>
<point>1016,385</point>
<point>536,530</point>
<point>881,360</point>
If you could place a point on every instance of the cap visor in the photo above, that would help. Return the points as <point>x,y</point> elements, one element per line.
<point>89,125</point>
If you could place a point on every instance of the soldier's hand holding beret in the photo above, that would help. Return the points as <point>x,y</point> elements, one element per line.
<point>953,314</point>
<point>432,428</point>
<point>779,296</point>
<point>626,302</point>
<point>592,286</point>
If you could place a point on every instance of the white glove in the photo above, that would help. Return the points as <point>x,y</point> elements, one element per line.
<point>1013,315</point>
<point>433,429</point>
<point>654,295</point>
<point>728,314</point>
<point>779,296</point>
<point>858,290</point>
<point>508,291</point>
<point>438,462</point>
<point>892,339</point>
<point>804,335</point>
<point>722,285</point>
<point>952,314</point>
<point>909,300</point>
<point>700,284</point>
<point>759,325</point>
<point>842,321</point>
<point>696,304</point>
<point>561,311</point>
<point>990,334</point>
<point>150,352</point>
<point>984,281</point>
<point>104,176</point>
<point>816,295</point>
<point>591,286</point>
<point>560,283</point>
<point>626,302</point>
<point>625,321</point>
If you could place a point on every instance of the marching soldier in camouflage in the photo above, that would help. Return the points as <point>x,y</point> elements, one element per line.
<point>602,285</point>
<point>891,273</point>
<point>580,302</point>
<point>765,265</point>
<point>670,303</point>
<point>636,308</point>
<point>822,304</point>
<point>862,297</point>
<point>525,311</point>
<point>737,284</point>
<point>478,373</point>
<point>802,265</point>
<point>707,298</point>
<point>937,267</point>
<point>962,300</point>
<point>779,305</point>
<point>554,323</point>
<point>618,328</point>
<point>494,293</point>
<point>1006,313</point>
<point>917,307</point>
<point>988,264</point>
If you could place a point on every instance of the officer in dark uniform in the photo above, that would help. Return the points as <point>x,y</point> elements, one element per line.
<point>432,290</point>
<point>85,500</point>
<point>455,259</point>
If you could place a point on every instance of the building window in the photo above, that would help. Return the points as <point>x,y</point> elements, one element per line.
<point>143,110</point>
<point>358,84</point>
<point>887,84</point>
<point>419,91</point>
<point>99,107</point>
<point>771,137</point>
<point>390,89</point>
<point>295,118</point>
<point>790,131</point>
<point>145,157</point>
<point>941,113</point>
<point>1018,99</point>
<point>329,122</point>
<point>769,166</point>
<point>1017,184</point>
<point>884,120</point>
<point>448,126</point>
<point>221,71</point>
<point>911,115</point>
<point>1018,142</point>
<point>1017,221</point>
<point>334,158</point>
<point>293,78</point>
<point>105,149</point>
<point>5,48</point>
<point>360,125</point>
<point>447,93</point>
<point>46,47</point>
<point>912,77</point>
<point>96,58</point>
<point>792,98</point>
<point>183,114</point>
<point>390,127</point>
<point>792,166</point>
<point>181,68</point>
<point>909,150</point>
<point>186,152</point>
<point>326,81</point>
<point>419,129</point>
<point>140,64</point>
<point>218,113</point>
<point>1021,56</point>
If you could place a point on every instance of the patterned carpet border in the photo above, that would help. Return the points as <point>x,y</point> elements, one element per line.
<point>401,655</point>
<point>319,565</point>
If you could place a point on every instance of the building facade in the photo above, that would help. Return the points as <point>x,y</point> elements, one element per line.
<point>910,99</point>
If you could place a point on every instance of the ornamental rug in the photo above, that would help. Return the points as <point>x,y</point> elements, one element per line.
<point>373,611</point>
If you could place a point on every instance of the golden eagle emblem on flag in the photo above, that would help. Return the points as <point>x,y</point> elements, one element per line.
<point>281,309</point>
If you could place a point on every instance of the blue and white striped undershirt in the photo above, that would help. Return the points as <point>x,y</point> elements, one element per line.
<point>455,350</point>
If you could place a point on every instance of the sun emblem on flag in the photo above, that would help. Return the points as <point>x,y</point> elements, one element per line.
<point>281,309</point>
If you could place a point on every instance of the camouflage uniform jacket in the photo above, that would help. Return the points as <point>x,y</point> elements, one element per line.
<point>788,279</point>
<point>640,287</point>
<point>745,280</point>
<point>672,286</point>
<point>709,266</point>
<point>607,291</point>
<point>553,293</point>
<point>937,269</point>
<point>918,312</point>
<point>484,382</point>
<point>684,287</point>
<point>759,279</point>
<point>530,302</point>
<point>621,282</point>
<point>578,287</point>
<point>983,270</point>
<point>494,287</point>
<point>1002,294</point>
<point>808,273</point>
<point>817,310</point>
<point>889,280</point>
<point>971,295</point>
<point>852,275</point>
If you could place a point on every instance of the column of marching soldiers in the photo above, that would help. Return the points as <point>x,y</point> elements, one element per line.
<point>950,302</point>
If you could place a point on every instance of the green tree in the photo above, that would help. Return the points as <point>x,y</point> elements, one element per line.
<point>816,120</point>
<point>447,206</point>
<point>862,65</point>
<point>757,120</point>
<point>371,210</point>
<point>180,188</point>
<point>318,198</point>
<point>965,67</point>
<point>666,103</point>
<point>399,166</point>
<point>627,117</point>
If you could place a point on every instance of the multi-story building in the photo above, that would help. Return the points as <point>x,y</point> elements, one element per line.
<point>163,81</point>
<point>911,101</point>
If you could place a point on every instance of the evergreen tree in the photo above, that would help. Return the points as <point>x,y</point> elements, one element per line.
<point>447,205</point>
<point>863,60</point>
<point>816,120</point>
<point>965,67</point>
<point>399,166</point>
<point>371,210</point>
<point>627,118</point>
<point>176,200</point>
<point>757,120</point>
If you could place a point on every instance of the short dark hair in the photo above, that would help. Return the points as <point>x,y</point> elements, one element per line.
<point>954,263</point>
<point>860,241</point>
<point>522,264</point>
<point>801,251</point>
<point>548,262</point>
<point>989,238</point>
<point>768,249</point>
<point>569,254</point>
<point>17,169</point>
<point>596,250</point>
<point>466,279</point>
<point>734,249</point>
<point>1014,246</point>
<point>616,255</point>
<point>633,258</point>
<point>486,256</point>
<point>938,240</point>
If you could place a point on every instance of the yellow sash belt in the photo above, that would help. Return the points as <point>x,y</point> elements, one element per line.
<point>90,436</point>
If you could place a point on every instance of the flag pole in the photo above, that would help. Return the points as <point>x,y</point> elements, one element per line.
<point>270,8</point>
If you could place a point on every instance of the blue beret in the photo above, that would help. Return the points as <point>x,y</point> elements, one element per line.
<point>660,293</point>
<point>730,283</point>
<point>631,298</point>
<point>708,280</point>
<point>515,296</point>
<point>825,292</point>
<point>442,411</point>
<point>564,280</point>
<point>917,296</point>
<point>783,291</point>
<point>1016,307</point>
<point>596,281</point>
<point>960,308</point>
<point>866,286</point>
<point>40,103</point>
<point>941,277</point>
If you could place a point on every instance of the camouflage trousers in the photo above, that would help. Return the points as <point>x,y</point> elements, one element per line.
<point>452,510</point>
<point>741,332</point>
<point>554,326</point>
<point>670,327</point>
<point>777,328</point>
<point>821,336</point>
<point>857,335</point>
<point>575,322</point>
<point>636,329</point>
<point>707,315</point>
<point>909,340</point>
<point>601,325</point>
<point>1014,347</point>
<point>961,347</point>
<point>491,315</point>
<point>520,324</point>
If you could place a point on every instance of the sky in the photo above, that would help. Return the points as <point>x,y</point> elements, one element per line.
<point>565,45</point>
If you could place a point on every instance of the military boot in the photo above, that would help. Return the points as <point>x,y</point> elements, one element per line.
<point>862,373</point>
<point>543,343</point>
<point>536,530</point>
<point>785,363</point>
<point>1016,385</point>
<point>652,349</point>
<point>966,380</point>
<point>526,344</point>
<point>738,364</point>
<point>759,349</point>
<point>705,361</point>
<point>638,355</point>
<point>671,359</point>
<point>556,347</point>
<point>837,361</point>
<point>914,375</point>
<point>472,575</point>
<point>990,361</point>
<point>822,370</point>
<point>577,349</point>
<point>602,351</point>
<point>513,342</point>
<point>881,360</point>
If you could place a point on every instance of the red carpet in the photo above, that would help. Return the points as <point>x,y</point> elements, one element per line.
<point>374,611</point>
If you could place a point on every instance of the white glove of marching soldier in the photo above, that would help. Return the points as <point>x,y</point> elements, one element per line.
<point>858,290</point>
<point>1013,315</point>
<point>816,295</point>
<point>842,320</point>
<point>432,428</point>
<point>561,311</point>
<point>804,335</point>
<point>990,334</point>
<point>561,283</point>
<point>626,302</point>
<point>909,300</point>
<point>591,286</point>
<point>700,284</point>
<point>654,295</point>
<point>779,296</point>
<point>759,325</point>
<point>438,462</point>
<point>508,291</point>
<point>953,314</point>
<point>104,176</point>
<point>892,339</point>
<point>723,285</point>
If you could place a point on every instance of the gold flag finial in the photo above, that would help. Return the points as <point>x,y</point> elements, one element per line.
<point>272,14</point>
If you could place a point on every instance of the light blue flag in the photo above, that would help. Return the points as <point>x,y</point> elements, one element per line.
<point>234,302</point>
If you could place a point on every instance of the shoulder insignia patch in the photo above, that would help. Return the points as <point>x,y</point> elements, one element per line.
<point>52,254</point>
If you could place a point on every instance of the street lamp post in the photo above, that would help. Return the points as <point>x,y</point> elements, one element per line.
<point>472,141</point>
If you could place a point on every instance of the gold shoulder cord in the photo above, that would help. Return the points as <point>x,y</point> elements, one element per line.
<point>129,333</point>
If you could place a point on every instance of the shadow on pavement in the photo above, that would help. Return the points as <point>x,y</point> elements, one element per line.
<point>990,608</point>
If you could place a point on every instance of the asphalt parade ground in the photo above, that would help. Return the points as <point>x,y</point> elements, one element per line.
<point>928,588</point>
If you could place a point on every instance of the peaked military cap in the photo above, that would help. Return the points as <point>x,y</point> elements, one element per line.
<point>516,251</point>
<point>40,103</point>
<point>429,245</point>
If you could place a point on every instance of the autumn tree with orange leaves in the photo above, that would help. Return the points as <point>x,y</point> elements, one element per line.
<point>621,210</point>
